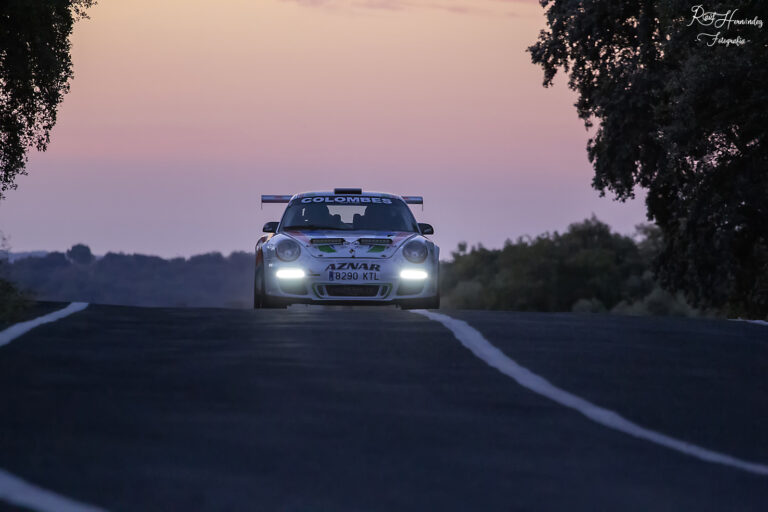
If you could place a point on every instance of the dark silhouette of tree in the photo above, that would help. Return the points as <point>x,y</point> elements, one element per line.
<point>587,268</point>
<point>80,254</point>
<point>35,70</point>
<point>12,301</point>
<point>686,121</point>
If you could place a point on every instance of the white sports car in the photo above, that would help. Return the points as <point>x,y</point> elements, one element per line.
<point>346,246</point>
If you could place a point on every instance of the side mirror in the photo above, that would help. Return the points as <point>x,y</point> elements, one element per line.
<point>426,229</point>
<point>270,227</point>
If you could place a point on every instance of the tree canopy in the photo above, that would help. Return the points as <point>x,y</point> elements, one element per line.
<point>588,268</point>
<point>35,71</point>
<point>680,109</point>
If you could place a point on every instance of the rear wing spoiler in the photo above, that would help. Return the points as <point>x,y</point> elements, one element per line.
<point>414,200</point>
<point>274,199</point>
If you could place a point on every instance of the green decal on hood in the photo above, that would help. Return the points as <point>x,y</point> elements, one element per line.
<point>326,248</point>
<point>377,248</point>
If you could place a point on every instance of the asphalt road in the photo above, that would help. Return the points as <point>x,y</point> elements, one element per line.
<point>315,409</point>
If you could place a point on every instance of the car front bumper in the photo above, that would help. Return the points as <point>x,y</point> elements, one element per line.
<point>350,280</point>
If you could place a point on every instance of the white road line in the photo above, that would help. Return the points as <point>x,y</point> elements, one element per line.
<point>17,330</point>
<point>482,348</point>
<point>16,491</point>
<point>13,489</point>
<point>757,322</point>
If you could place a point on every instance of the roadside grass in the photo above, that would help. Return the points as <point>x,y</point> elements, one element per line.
<point>15,306</point>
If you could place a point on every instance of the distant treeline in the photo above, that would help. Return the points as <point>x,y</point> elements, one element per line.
<point>135,279</point>
<point>586,269</point>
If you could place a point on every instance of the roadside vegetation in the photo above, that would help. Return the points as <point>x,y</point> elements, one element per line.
<point>588,268</point>
<point>13,303</point>
<point>679,111</point>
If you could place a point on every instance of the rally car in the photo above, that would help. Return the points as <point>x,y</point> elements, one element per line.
<point>346,246</point>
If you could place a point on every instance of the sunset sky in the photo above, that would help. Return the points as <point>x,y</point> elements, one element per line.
<point>183,112</point>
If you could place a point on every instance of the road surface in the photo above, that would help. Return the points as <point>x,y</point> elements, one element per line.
<point>313,409</point>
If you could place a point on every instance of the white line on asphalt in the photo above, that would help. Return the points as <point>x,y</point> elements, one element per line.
<point>757,322</point>
<point>17,330</point>
<point>482,348</point>
<point>13,489</point>
<point>16,491</point>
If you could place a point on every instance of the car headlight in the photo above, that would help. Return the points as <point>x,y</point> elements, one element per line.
<point>415,251</point>
<point>290,273</point>
<point>287,250</point>
<point>413,274</point>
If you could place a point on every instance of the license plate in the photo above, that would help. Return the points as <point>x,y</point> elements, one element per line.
<point>353,276</point>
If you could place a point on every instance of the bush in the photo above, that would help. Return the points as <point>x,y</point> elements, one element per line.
<point>658,303</point>
<point>587,269</point>
<point>466,295</point>
<point>12,301</point>
<point>588,306</point>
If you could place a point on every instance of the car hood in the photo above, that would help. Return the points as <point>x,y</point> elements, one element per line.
<point>347,244</point>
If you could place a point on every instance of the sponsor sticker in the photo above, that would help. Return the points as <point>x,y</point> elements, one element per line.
<point>374,267</point>
<point>353,271</point>
<point>346,200</point>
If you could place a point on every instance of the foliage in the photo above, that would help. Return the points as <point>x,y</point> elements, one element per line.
<point>80,254</point>
<point>12,301</point>
<point>587,269</point>
<point>684,120</point>
<point>35,70</point>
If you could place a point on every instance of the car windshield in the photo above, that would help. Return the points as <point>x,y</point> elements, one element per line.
<point>349,213</point>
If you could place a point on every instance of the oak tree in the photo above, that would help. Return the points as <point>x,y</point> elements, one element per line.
<point>35,71</point>
<point>677,103</point>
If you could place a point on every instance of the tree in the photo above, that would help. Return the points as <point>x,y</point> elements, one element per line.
<point>12,301</point>
<point>588,265</point>
<point>684,116</point>
<point>35,70</point>
<point>80,254</point>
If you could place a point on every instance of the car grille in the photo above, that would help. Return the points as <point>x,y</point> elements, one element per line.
<point>352,290</point>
